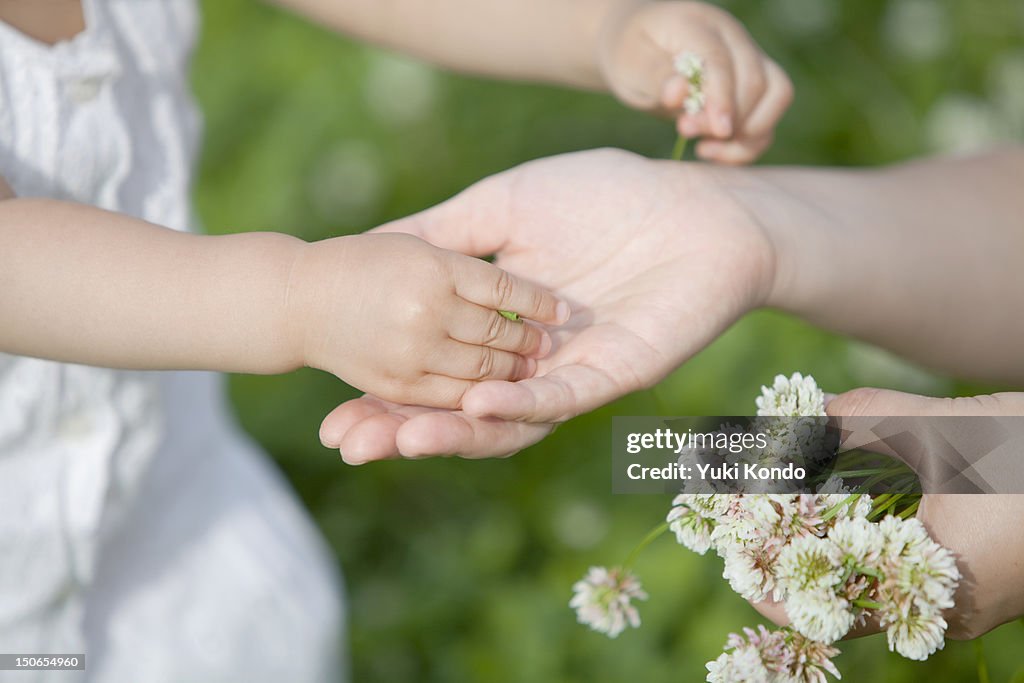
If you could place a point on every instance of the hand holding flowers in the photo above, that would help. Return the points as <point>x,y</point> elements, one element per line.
<point>652,52</point>
<point>819,557</point>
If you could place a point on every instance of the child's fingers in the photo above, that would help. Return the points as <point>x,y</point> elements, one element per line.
<point>674,93</point>
<point>732,152</point>
<point>475,324</point>
<point>773,103</point>
<point>371,438</point>
<point>718,117</point>
<point>759,127</point>
<point>463,361</point>
<point>489,286</point>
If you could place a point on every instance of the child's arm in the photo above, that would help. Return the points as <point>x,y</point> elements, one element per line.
<point>625,46</point>
<point>538,40</point>
<point>386,313</point>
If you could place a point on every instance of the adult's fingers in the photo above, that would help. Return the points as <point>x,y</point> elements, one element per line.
<point>560,395</point>
<point>776,613</point>
<point>368,429</point>
<point>451,433</point>
<point>375,437</point>
<point>955,445</point>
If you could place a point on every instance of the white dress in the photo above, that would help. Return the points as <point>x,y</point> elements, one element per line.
<point>137,523</point>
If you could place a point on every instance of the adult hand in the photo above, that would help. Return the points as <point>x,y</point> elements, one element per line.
<point>655,258</point>
<point>982,530</point>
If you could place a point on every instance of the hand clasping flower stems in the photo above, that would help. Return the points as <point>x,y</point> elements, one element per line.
<point>820,554</point>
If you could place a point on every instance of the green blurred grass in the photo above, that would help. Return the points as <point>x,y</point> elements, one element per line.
<point>460,571</point>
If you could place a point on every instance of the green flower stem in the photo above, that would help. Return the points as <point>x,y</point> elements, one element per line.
<point>979,655</point>
<point>878,478</point>
<point>867,604</point>
<point>680,149</point>
<point>653,534</point>
<point>834,510</point>
<point>867,571</point>
<point>514,317</point>
<point>911,509</point>
<point>880,510</point>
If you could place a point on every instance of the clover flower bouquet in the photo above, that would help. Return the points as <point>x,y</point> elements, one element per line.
<point>834,558</point>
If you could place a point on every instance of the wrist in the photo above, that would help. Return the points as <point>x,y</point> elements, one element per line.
<point>802,221</point>
<point>315,294</point>
<point>606,32</point>
<point>299,302</point>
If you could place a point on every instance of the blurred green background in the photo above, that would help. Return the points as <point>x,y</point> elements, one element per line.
<point>461,571</point>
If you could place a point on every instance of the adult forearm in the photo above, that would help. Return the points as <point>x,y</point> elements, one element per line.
<point>924,258</point>
<point>541,40</point>
<point>82,285</point>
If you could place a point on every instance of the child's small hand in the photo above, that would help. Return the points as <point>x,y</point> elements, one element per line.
<point>745,92</point>
<point>392,315</point>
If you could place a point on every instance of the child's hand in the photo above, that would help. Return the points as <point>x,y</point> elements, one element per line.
<point>745,92</point>
<point>392,315</point>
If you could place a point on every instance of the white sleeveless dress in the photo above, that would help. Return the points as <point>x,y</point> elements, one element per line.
<point>137,524</point>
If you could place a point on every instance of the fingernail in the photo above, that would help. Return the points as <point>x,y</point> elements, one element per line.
<point>562,312</point>
<point>545,344</point>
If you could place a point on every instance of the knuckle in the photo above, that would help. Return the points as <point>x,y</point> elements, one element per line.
<point>984,404</point>
<point>537,302</point>
<point>485,364</point>
<point>503,288</point>
<point>496,327</point>
<point>528,340</point>
<point>855,403</point>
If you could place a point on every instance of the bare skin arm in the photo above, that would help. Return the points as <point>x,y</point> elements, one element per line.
<point>539,40</point>
<point>923,258</point>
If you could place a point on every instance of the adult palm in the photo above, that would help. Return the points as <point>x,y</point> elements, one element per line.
<point>655,258</point>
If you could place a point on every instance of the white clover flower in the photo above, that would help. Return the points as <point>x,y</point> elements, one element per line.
<point>691,67</point>
<point>928,574</point>
<point>782,656</point>
<point>858,540</point>
<point>749,569</point>
<point>835,491</point>
<point>603,600</point>
<point>692,519</point>
<point>749,518</point>
<point>807,661</point>
<point>914,635</point>
<point>795,396</point>
<point>834,485</point>
<point>809,563</point>
<point>820,615</point>
<point>741,665</point>
<point>921,578</point>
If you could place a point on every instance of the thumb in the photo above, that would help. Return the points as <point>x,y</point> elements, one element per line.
<point>868,402</point>
<point>474,222</point>
<point>955,445</point>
